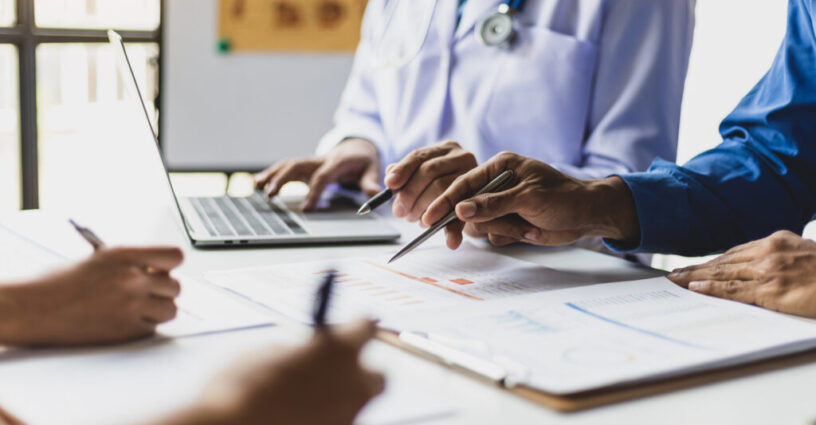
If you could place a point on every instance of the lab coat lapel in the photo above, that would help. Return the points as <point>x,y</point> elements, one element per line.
<point>474,12</point>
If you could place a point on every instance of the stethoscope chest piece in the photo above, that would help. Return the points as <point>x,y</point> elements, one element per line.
<point>497,29</point>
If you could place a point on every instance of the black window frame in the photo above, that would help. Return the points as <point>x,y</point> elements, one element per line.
<point>26,36</point>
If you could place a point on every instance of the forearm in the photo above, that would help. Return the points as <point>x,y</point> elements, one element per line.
<point>12,320</point>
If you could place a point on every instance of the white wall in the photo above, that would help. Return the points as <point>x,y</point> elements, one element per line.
<point>241,110</point>
<point>734,44</point>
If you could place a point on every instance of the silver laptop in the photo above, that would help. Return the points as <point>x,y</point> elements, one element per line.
<point>257,220</point>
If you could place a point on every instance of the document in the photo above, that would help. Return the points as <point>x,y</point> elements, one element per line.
<point>432,277</point>
<point>604,335</point>
<point>523,324</point>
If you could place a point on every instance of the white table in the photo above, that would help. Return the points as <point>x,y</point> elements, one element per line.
<point>131,382</point>
<point>122,194</point>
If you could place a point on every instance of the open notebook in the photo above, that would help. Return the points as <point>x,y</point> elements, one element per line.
<point>519,323</point>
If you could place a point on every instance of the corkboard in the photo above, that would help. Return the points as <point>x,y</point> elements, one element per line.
<point>290,25</point>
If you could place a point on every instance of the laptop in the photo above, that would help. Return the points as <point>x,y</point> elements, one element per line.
<point>258,220</point>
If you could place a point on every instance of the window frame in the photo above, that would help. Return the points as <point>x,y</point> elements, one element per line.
<point>27,36</point>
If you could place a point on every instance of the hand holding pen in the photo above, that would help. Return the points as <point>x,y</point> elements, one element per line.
<point>420,177</point>
<point>539,205</point>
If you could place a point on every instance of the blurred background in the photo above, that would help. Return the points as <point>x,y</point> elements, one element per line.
<point>60,94</point>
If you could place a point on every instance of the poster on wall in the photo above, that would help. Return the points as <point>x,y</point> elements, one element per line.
<point>290,25</point>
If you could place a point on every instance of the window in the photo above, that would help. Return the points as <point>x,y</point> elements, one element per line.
<point>82,100</point>
<point>8,13</point>
<point>98,14</point>
<point>9,130</point>
<point>58,83</point>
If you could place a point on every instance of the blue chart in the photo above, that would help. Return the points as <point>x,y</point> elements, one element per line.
<point>513,320</point>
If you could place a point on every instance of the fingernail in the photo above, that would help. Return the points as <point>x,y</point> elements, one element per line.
<point>271,188</point>
<point>391,178</point>
<point>697,285</point>
<point>467,209</point>
<point>531,235</point>
<point>399,210</point>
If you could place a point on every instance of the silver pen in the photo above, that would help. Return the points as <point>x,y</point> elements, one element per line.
<point>494,184</point>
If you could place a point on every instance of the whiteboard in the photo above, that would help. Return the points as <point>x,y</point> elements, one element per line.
<point>239,111</point>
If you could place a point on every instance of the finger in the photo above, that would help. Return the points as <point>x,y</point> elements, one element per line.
<point>453,234</point>
<point>164,287</point>
<point>356,335</point>
<point>499,240</point>
<point>160,259</point>
<point>737,290</point>
<point>490,206</point>
<point>465,186</point>
<point>715,272</point>
<point>292,171</point>
<point>374,383</point>
<point>7,418</point>
<point>415,200</point>
<point>159,310</point>
<point>556,238</point>
<point>321,178</point>
<point>511,226</point>
<point>473,232</point>
<point>402,171</point>
<point>262,178</point>
<point>369,182</point>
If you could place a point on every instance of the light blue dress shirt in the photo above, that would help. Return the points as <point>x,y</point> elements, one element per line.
<point>592,87</point>
<point>762,178</point>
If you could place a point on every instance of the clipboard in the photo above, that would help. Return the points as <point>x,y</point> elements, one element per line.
<point>606,396</point>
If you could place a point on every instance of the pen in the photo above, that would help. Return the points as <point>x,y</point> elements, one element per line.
<point>494,184</point>
<point>375,201</point>
<point>88,235</point>
<point>322,300</point>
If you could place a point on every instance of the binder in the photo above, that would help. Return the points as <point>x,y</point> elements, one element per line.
<point>606,396</point>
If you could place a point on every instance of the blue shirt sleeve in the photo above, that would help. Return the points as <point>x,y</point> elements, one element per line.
<point>762,178</point>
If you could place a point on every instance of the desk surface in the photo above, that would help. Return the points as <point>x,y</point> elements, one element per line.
<point>132,382</point>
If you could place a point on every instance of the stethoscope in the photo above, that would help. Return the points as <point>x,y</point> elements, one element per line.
<point>497,29</point>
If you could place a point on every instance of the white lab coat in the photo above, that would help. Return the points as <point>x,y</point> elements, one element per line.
<point>592,87</point>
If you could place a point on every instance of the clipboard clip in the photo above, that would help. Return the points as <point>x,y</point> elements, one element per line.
<point>503,373</point>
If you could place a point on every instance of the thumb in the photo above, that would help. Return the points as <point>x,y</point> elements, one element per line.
<point>489,206</point>
<point>369,182</point>
<point>356,335</point>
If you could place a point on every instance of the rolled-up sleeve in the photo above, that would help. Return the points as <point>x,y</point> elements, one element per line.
<point>358,112</point>
<point>638,87</point>
<point>761,179</point>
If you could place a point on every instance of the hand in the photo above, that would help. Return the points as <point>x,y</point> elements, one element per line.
<point>778,273</point>
<point>116,295</point>
<point>424,174</point>
<point>539,205</point>
<point>351,161</point>
<point>7,419</point>
<point>321,383</point>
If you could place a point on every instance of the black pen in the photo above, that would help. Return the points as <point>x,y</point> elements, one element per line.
<point>88,235</point>
<point>322,300</point>
<point>375,201</point>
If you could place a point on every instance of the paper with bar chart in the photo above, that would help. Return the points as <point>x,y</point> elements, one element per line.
<point>432,277</point>
<point>592,337</point>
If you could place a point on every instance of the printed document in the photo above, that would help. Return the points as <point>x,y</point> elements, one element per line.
<point>428,278</point>
<point>555,331</point>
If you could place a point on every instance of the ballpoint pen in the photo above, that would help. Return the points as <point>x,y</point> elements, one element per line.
<point>88,235</point>
<point>375,201</point>
<point>322,300</point>
<point>494,184</point>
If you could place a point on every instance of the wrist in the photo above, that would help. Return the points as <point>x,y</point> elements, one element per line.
<point>613,209</point>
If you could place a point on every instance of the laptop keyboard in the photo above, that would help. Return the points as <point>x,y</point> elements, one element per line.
<point>253,216</point>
